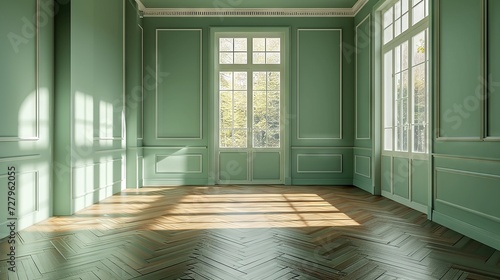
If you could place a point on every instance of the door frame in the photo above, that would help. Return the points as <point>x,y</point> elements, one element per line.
<point>285,118</point>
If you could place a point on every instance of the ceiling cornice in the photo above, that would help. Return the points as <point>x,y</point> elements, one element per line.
<point>251,12</point>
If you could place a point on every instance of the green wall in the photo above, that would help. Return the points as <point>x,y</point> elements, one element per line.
<point>134,106</point>
<point>459,187</point>
<point>466,155</point>
<point>26,52</point>
<point>89,133</point>
<point>364,111</point>
<point>179,116</point>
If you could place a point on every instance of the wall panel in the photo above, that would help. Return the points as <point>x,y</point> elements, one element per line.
<point>179,92</point>
<point>18,49</point>
<point>322,165</point>
<point>493,88</point>
<point>363,169</point>
<point>459,109</point>
<point>90,109</point>
<point>319,85</point>
<point>466,155</point>
<point>175,166</point>
<point>27,55</point>
<point>363,82</point>
<point>465,196</point>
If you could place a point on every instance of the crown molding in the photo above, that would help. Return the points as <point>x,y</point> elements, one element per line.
<point>251,12</point>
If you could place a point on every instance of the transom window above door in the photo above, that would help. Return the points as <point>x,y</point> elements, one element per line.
<point>262,51</point>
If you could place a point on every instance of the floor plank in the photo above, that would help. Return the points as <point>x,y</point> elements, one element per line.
<point>247,232</point>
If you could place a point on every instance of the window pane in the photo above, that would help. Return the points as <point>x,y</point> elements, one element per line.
<point>226,44</point>
<point>273,138</point>
<point>273,100</point>
<point>273,58</point>
<point>259,110</point>
<point>399,138</point>
<point>240,58</point>
<point>419,95</point>
<point>259,139</point>
<point>273,81</point>
<point>259,58</point>
<point>226,109</point>
<point>226,58</point>
<point>388,139</point>
<point>388,89</point>
<point>405,84</point>
<point>226,138</point>
<point>404,6</point>
<point>397,59</point>
<point>226,80</point>
<point>415,2</point>
<point>404,56</point>
<point>398,86</point>
<point>397,10</point>
<point>240,109</point>
<point>240,44</point>
<point>273,44</point>
<point>388,17</point>
<point>404,22</point>
<point>420,139</point>
<point>240,138</point>
<point>240,80</point>
<point>388,34</point>
<point>259,81</point>
<point>259,44</point>
<point>266,109</point>
<point>418,12</point>
<point>397,27</point>
<point>419,45</point>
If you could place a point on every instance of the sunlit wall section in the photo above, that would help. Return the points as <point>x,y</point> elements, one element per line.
<point>90,147</point>
<point>26,94</point>
<point>134,93</point>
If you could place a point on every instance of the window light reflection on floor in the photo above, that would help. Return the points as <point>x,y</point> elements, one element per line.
<point>252,211</point>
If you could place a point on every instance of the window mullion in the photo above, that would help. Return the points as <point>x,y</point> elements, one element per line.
<point>250,116</point>
<point>394,102</point>
<point>410,109</point>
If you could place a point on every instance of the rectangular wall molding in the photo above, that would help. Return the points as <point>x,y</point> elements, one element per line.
<point>314,128</point>
<point>179,164</point>
<point>328,163</point>
<point>473,192</point>
<point>27,184</point>
<point>363,82</point>
<point>362,166</point>
<point>30,105</point>
<point>179,84</point>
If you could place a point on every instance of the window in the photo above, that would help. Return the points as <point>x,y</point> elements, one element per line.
<point>405,76</point>
<point>249,90</point>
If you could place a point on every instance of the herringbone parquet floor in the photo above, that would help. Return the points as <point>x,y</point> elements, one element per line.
<point>247,232</point>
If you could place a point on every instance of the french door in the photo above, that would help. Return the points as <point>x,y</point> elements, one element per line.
<point>249,101</point>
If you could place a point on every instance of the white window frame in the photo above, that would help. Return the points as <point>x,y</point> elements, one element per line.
<point>406,36</point>
<point>250,68</point>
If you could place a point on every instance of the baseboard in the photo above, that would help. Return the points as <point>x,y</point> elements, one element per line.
<point>479,234</point>
<point>174,182</point>
<point>322,182</point>
<point>364,184</point>
<point>401,200</point>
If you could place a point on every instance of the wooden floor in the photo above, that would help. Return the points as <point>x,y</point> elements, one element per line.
<point>247,232</point>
